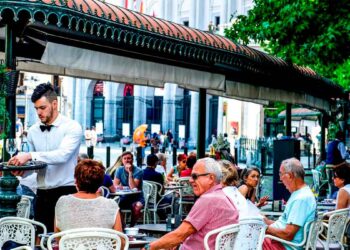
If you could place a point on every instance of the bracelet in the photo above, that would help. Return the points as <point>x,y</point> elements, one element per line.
<point>147,247</point>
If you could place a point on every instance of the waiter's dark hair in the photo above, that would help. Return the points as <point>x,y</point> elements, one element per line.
<point>44,89</point>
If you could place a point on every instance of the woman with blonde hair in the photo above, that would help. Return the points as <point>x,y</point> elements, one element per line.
<point>229,181</point>
<point>111,170</point>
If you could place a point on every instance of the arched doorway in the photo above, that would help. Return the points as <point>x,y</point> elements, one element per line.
<point>125,113</point>
<point>98,105</point>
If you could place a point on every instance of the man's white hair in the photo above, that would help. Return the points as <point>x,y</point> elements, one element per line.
<point>293,165</point>
<point>213,167</point>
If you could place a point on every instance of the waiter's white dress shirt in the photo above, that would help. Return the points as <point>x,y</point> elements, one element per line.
<point>59,148</point>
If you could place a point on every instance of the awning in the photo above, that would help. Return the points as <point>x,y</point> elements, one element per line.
<point>251,91</point>
<point>93,39</point>
<point>124,69</point>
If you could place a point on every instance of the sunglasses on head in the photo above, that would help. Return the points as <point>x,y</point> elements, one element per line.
<point>195,176</point>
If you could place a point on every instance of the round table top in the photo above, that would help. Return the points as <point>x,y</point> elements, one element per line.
<point>124,192</point>
<point>32,165</point>
<point>173,187</point>
<point>158,228</point>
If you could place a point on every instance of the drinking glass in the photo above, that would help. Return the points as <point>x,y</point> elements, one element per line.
<point>11,146</point>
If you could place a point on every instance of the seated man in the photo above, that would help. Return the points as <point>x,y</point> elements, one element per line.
<point>149,173</point>
<point>130,176</point>
<point>300,208</point>
<point>212,210</point>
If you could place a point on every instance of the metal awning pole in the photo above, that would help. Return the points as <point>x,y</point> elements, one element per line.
<point>201,123</point>
<point>10,63</point>
<point>288,119</point>
<point>8,183</point>
<point>324,124</point>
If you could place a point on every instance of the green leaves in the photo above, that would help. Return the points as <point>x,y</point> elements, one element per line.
<point>314,33</point>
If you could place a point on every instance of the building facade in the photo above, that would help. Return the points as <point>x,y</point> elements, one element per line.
<point>116,109</point>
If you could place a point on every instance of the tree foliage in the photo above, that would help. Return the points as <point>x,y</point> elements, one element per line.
<point>313,33</point>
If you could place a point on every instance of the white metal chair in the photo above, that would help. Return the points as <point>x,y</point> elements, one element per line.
<point>153,205</point>
<point>251,234</point>
<point>22,248</point>
<point>335,229</point>
<point>318,182</point>
<point>158,185</point>
<point>19,230</point>
<point>89,239</point>
<point>314,232</point>
<point>186,193</point>
<point>148,195</point>
<point>225,239</point>
<point>104,191</point>
<point>310,235</point>
<point>23,206</point>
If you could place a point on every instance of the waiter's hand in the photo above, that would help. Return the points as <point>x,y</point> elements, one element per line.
<point>20,159</point>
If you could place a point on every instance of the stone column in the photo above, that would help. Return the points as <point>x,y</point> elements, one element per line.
<point>110,112</point>
<point>192,139</point>
<point>201,18</point>
<point>232,7</point>
<point>221,126</point>
<point>223,12</point>
<point>168,114</point>
<point>139,106</point>
<point>192,16</point>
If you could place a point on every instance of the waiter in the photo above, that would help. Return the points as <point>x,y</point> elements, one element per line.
<point>55,140</point>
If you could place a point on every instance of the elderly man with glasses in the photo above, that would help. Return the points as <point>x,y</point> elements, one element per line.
<point>212,210</point>
<point>300,208</point>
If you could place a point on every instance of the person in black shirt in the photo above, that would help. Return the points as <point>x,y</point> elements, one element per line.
<point>149,173</point>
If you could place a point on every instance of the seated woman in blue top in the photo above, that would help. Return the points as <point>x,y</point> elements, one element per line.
<point>130,176</point>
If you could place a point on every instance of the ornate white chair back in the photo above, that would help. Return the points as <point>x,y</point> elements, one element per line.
<point>89,239</point>
<point>225,239</point>
<point>251,234</point>
<point>314,231</point>
<point>19,230</point>
<point>335,227</point>
<point>23,207</point>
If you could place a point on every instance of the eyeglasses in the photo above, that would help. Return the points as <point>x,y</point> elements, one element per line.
<point>281,174</point>
<point>195,176</point>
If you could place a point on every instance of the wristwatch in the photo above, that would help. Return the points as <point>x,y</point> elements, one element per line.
<point>147,247</point>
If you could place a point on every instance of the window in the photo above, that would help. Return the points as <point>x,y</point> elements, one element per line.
<point>186,23</point>
<point>217,20</point>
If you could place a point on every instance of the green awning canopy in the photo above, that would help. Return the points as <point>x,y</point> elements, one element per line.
<point>168,52</point>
